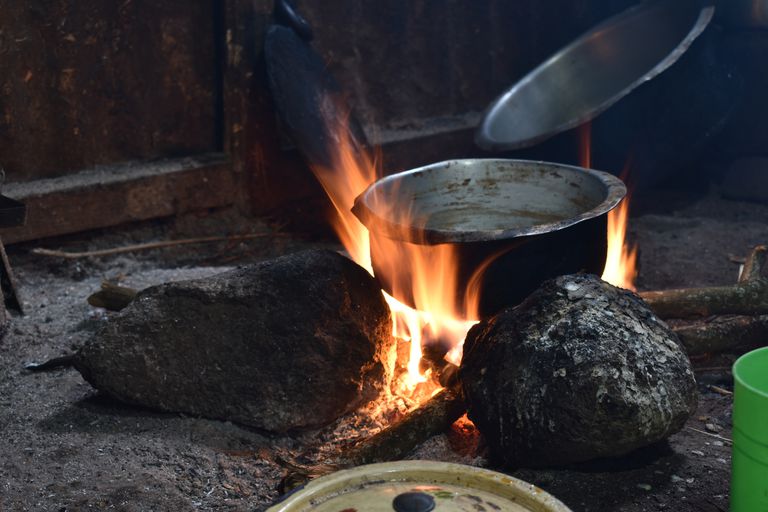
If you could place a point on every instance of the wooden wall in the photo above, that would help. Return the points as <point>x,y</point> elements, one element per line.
<point>133,109</point>
<point>88,83</point>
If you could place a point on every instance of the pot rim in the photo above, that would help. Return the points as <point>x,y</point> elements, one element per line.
<point>615,190</point>
<point>422,472</point>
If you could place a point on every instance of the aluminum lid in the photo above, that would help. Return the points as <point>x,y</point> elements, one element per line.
<point>592,73</point>
<point>418,486</point>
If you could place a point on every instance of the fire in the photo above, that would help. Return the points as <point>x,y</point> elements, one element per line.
<point>418,327</point>
<point>621,258</point>
<point>585,145</point>
<point>352,170</point>
<point>438,317</point>
<point>431,282</point>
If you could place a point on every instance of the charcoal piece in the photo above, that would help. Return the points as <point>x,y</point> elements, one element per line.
<point>288,343</point>
<point>579,370</point>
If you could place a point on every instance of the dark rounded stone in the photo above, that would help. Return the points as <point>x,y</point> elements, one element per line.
<point>288,343</point>
<point>579,370</point>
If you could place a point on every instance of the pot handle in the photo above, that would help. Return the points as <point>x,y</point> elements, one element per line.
<point>285,14</point>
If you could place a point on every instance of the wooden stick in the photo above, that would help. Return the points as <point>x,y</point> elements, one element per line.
<point>722,333</point>
<point>721,438</point>
<point>400,438</point>
<point>748,297</point>
<point>719,390</point>
<point>150,245</point>
<point>392,443</point>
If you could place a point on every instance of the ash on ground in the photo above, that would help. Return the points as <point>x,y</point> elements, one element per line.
<point>67,448</point>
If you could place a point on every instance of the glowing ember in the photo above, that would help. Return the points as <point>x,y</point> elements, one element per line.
<point>433,268</point>
<point>621,258</point>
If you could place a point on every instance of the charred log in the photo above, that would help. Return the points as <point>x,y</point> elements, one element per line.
<point>394,442</point>
<point>749,298</point>
<point>722,333</point>
<point>397,440</point>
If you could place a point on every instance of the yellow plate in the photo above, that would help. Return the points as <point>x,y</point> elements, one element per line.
<point>418,486</point>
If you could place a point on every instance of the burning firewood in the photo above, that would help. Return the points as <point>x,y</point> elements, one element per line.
<point>581,369</point>
<point>396,441</point>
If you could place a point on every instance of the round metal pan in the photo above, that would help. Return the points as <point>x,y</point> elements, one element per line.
<point>594,72</point>
<point>531,220</point>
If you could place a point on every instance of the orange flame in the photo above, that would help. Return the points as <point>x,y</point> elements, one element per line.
<point>621,258</point>
<point>351,171</point>
<point>585,145</point>
<point>432,277</point>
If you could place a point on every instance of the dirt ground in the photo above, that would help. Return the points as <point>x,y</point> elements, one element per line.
<point>65,448</point>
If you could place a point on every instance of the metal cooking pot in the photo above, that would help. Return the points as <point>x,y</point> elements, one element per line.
<point>531,220</point>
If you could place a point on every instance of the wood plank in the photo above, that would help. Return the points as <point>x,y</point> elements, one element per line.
<point>111,195</point>
<point>89,82</point>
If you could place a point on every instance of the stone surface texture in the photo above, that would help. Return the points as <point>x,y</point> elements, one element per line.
<point>579,370</point>
<point>288,343</point>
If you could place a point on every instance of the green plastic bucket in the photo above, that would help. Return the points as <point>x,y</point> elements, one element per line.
<point>749,476</point>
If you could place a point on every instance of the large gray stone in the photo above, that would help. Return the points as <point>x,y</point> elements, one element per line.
<point>579,370</point>
<point>288,343</point>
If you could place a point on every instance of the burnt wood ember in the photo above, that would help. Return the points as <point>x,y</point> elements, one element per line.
<point>288,343</point>
<point>579,370</point>
<point>394,442</point>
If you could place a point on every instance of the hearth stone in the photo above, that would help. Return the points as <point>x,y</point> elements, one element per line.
<point>579,370</point>
<point>284,344</point>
